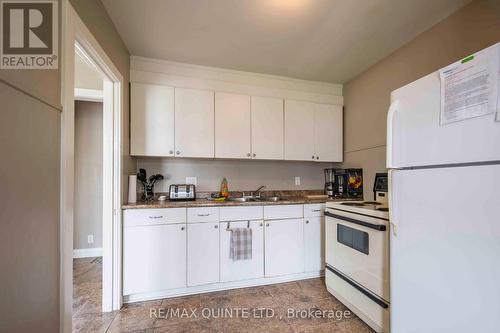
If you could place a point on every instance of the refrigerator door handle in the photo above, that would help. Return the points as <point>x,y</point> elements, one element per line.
<point>390,120</point>
<point>392,223</point>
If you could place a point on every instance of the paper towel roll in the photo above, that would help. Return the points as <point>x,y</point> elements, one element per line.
<point>132,189</point>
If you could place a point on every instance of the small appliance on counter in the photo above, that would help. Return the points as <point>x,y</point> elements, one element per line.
<point>148,183</point>
<point>182,192</point>
<point>381,188</point>
<point>344,183</point>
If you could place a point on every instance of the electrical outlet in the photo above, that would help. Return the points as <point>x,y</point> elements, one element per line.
<point>90,239</point>
<point>191,180</point>
<point>297,181</point>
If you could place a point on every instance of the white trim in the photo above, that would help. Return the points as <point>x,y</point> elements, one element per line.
<point>207,288</point>
<point>75,33</point>
<point>87,253</point>
<point>175,74</point>
<point>89,95</point>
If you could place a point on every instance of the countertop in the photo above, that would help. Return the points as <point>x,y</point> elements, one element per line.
<point>212,203</point>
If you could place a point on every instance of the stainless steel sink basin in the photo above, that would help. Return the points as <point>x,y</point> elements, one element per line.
<point>274,199</point>
<point>241,199</point>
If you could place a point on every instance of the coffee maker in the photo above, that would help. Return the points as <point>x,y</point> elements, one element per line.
<point>330,182</point>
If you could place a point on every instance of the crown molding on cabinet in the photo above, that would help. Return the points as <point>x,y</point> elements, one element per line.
<point>145,70</point>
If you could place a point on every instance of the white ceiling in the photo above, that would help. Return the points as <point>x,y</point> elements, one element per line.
<point>322,40</point>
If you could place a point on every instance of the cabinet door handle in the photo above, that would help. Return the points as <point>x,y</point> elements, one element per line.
<point>171,152</point>
<point>216,226</point>
<point>267,224</point>
<point>178,152</point>
<point>260,224</point>
<point>317,157</point>
<point>248,155</point>
<point>156,217</point>
<point>254,155</point>
<point>201,215</point>
<point>313,157</point>
<point>182,228</point>
<point>307,222</point>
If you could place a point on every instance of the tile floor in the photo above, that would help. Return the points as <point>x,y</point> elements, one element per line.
<point>248,304</point>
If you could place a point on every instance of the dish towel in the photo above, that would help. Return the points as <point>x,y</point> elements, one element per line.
<point>240,247</point>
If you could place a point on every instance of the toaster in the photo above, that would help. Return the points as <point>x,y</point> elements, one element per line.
<point>182,192</point>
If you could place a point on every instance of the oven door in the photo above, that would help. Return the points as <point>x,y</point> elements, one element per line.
<point>358,247</point>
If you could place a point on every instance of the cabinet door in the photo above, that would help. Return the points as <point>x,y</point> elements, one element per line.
<point>232,126</point>
<point>314,244</point>
<point>154,258</point>
<point>151,120</point>
<point>194,123</point>
<point>242,269</point>
<point>284,247</point>
<point>202,253</point>
<point>299,130</point>
<point>267,128</point>
<point>328,133</point>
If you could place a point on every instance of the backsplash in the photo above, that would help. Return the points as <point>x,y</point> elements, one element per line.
<point>241,174</point>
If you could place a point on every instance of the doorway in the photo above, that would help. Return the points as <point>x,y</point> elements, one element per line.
<point>88,189</point>
<point>79,42</point>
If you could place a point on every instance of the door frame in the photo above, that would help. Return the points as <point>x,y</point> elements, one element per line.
<point>77,38</point>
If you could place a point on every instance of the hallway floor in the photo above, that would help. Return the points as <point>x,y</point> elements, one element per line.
<point>248,307</point>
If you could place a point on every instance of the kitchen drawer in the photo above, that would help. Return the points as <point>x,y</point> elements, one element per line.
<point>283,212</point>
<point>313,210</point>
<point>150,216</point>
<point>203,214</point>
<point>241,213</point>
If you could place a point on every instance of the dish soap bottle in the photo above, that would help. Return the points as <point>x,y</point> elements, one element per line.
<point>224,191</point>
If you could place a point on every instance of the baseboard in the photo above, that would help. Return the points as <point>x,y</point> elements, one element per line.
<point>87,253</point>
<point>208,288</point>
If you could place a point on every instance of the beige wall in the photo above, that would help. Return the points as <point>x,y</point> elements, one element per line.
<point>97,20</point>
<point>241,174</point>
<point>29,210</point>
<point>88,175</point>
<point>30,124</point>
<point>85,76</point>
<point>367,97</point>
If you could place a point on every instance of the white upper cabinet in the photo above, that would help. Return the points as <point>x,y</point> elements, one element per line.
<point>328,133</point>
<point>151,120</point>
<point>299,130</point>
<point>194,123</point>
<point>232,126</point>
<point>267,128</point>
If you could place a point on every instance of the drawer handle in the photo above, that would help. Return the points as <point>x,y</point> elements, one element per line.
<point>316,210</point>
<point>156,217</point>
<point>182,228</point>
<point>201,215</point>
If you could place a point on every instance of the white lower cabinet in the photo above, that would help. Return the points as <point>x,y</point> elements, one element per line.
<point>241,269</point>
<point>284,247</point>
<point>154,258</point>
<point>202,253</point>
<point>314,243</point>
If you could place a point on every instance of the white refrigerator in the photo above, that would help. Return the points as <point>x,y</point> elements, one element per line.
<point>445,215</point>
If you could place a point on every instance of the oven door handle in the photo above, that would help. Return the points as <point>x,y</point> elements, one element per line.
<point>377,227</point>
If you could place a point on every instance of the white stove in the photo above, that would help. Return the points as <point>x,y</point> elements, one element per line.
<point>357,258</point>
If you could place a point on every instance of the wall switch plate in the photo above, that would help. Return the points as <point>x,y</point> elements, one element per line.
<point>297,181</point>
<point>192,180</point>
<point>90,239</point>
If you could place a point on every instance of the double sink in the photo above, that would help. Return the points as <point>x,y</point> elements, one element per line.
<point>255,199</point>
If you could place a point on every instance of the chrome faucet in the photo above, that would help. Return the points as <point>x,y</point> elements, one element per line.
<point>254,194</point>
